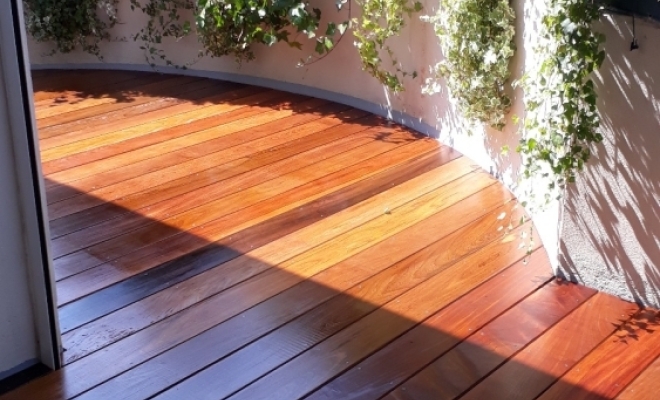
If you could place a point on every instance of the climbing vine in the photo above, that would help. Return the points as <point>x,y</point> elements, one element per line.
<point>379,21</point>
<point>561,120</point>
<point>477,42</point>
<point>71,24</point>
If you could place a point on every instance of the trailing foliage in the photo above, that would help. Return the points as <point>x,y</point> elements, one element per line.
<point>71,24</point>
<point>561,118</point>
<point>164,21</point>
<point>380,20</point>
<point>477,41</point>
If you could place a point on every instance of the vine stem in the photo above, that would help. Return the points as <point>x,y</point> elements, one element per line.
<point>327,53</point>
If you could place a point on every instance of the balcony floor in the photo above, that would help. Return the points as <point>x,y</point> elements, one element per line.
<point>214,240</point>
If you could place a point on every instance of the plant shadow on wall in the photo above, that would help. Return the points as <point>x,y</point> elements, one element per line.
<point>233,28</point>
<point>612,214</point>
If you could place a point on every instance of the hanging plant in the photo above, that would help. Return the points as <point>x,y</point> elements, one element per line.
<point>379,21</point>
<point>164,21</point>
<point>71,24</point>
<point>561,120</point>
<point>233,27</point>
<point>477,42</point>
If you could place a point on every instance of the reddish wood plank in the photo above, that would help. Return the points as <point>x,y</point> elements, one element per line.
<point>609,368</point>
<point>442,331</point>
<point>113,96</point>
<point>338,311</point>
<point>184,138</point>
<point>188,102</point>
<point>166,303</point>
<point>105,364</point>
<point>188,211</point>
<point>250,171</point>
<point>482,352</point>
<point>169,301</point>
<point>223,153</point>
<point>274,227</point>
<point>541,363</point>
<point>238,211</point>
<point>313,368</point>
<point>79,312</point>
<point>645,387</point>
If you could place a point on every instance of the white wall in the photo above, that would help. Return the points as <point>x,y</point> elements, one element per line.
<point>593,243</point>
<point>27,323</point>
<point>611,224</point>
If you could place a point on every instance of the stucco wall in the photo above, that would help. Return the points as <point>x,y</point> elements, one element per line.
<point>339,78</point>
<point>611,224</point>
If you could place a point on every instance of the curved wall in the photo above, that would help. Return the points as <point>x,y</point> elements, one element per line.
<point>338,77</point>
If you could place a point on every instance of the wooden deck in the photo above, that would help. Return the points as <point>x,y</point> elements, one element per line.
<point>219,241</point>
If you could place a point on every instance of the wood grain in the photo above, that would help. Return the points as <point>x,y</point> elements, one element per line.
<point>545,360</point>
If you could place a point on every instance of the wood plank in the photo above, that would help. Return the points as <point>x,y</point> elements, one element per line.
<point>190,102</point>
<point>212,156</point>
<point>341,310</point>
<point>188,211</point>
<point>125,91</point>
<point>645,387</point>
<point>48,84</point>
<point>91,280</point>
<point>100,366</point>
<point>482,352</point>
<point>261,232</point>
<point>79,312</point>
<point>440,333</point>
<point>211,282</point>
<point>125,321</point>
<point>179,139</point>
<point>64,146</point>
<point>340,352</point>
<point>114,95</point>
<point>614,364</point>
<point>163,96</point>
<point>249,171</point>
<point>541,363</point>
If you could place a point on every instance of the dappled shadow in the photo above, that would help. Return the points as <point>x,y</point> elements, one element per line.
<point>611,223</point>
<point>252,315</point>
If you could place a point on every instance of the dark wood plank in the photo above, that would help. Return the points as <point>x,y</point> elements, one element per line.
<point>341,310</point>
<point>614,364</point>
<point>123,322</point>
<point>541,363</point>
<point>117,296</point>
<point>340,352</point>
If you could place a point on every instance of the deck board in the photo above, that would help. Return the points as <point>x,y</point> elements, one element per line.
<point>215,240</point>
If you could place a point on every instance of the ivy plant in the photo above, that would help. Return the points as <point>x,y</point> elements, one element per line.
<point>477,42</point>
<point>561,120</point>
<point>71,24</point>
<point>165,20</point>
<point>379,21</point>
